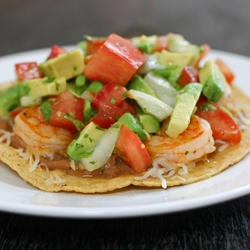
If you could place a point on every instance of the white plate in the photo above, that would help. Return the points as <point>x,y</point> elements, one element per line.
<point>19,197</point>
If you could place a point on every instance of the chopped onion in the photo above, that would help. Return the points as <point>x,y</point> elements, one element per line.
<point>151,63</point>
<point>151,105</point>
<point>27,101</point>
<point>87,95</point>
<point>102,150</point>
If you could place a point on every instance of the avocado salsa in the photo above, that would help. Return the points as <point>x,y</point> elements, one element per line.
<point>110,96</point>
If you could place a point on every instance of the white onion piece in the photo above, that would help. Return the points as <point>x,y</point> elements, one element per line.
<point>87,95</point>
<point>28,101</point>
<point>102,150</point>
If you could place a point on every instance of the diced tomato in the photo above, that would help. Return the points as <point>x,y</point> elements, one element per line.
<point>87,58</point>
<point>116,60</point>
<point>103,120</point>
<point>16,111</point>
<point>222,124</point>
<point>205,51</point>
<point>94,44</point>
<point>111,100</point>
<point>131,149</point>
<point>61,105</point>
<point>110,94</point>
<point>114,111</point>
<point>189,74</point>
<point>56,50</point>
<point>227,72</point>
<point>27,71</point>
<point>128,107</point>
<point>162,43</point>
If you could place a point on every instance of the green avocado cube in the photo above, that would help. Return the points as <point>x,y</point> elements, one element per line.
<point>149,123</point>
<point>9,100</point>
<point>40,87</point>
<point>145,43</point>
<point>133,123</point>
<point>213,81</point>
<point>66,65</point>
<point>183,110</point>
<point>139,84</point>
<point>83,145</point>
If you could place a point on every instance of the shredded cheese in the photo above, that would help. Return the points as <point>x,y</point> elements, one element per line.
<point>223,145</point>
<point>161,168</point>
<point>72,164</point>
<point>25,155</point>
<point>43,164</point>
<point>5,137</point>
<point>48,154</point>
<point>55,179</point>
<point>183,169</point>
<point>34,162</point>
<point>178,177</point>
<point>243,119</point>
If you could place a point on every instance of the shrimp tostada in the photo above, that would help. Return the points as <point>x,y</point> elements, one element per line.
<point>117,112</point>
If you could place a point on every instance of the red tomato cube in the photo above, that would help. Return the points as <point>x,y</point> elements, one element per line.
<point>131,149</point>
<point>116,60</point>
<point>189,74</point>
<point>56,50</point>
<point>27,71</point>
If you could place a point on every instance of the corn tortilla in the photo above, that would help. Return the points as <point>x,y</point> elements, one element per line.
<point>217,162</point>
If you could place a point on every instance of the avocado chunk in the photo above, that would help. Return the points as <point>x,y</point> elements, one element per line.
<point>87,111</point>
<point>76,91</point>
<point>172,58</point>
<point>81,80</point>
<point>178,44</point>
<point>66,65</point>
<point>139,84</point>
<point>43,86</point>
<point>35,88</point>
<point>82,146</point>
<point>151,105</point>
<point>175,62</point>
<point>95,86</point>
<point>145,43</point>
<point>101,151</point>
<point>213,81</point>
<point>77,86</point>
<point>183,110</point>
<point>9,99</point>
<point>149,123</point>
<point>133,123</point>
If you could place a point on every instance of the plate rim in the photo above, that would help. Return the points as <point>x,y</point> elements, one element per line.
<point>121,212</point>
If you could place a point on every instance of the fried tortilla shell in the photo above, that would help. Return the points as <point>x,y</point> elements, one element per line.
<point>57,180</point>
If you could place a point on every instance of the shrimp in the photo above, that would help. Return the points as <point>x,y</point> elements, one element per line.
<point>40,135</point>
<point>193,144</point>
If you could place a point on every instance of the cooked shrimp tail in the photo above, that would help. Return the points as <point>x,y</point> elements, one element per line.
<point>37,134</point>
<point>174,156</point>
